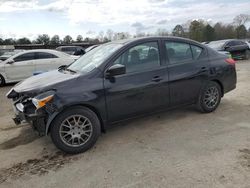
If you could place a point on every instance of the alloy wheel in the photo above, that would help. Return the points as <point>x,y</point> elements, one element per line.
<point>211,97</point>
<point>76,130</point>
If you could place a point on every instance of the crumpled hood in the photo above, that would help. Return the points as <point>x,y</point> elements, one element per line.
<point>44,80</point>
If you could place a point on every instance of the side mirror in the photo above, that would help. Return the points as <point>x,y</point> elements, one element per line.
<point>115,70</point>
<point>10,61</point>
<point>62,67</point>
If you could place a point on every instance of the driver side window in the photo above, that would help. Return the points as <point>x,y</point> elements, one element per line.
<point>141,57</point>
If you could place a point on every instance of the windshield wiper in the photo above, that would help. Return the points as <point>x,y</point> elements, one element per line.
<point>70,70</point>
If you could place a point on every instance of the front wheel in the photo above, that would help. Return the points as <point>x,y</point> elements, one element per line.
<point>210,97</point>
<point>2,80</point>
<point>75,130</point>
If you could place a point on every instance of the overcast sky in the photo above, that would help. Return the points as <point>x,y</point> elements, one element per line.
<point>27,18</point>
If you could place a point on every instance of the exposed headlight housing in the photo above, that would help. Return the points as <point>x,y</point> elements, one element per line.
<point>41,100</point>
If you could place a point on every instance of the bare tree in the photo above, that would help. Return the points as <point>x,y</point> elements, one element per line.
<point>101,36</point>
<point>110,34</point>
<point>241,19</point>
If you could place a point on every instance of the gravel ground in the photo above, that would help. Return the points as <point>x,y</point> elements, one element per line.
<point>180,148</point>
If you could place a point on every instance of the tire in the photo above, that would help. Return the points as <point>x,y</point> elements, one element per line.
<point>75,130</point>
<point>2,81</point>
<point>247,54</point>
<point>206,103</point>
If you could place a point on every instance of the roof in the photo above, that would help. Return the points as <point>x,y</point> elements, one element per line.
<point>126,41</point>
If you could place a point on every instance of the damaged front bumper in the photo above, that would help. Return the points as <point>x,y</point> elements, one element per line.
<point>37,119</point>
<point>26,112</point>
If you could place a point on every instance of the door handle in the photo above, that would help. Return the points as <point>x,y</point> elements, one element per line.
<point>203,69</point>
<point>156,79</point>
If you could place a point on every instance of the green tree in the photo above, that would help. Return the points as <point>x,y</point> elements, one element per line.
<point>241,32</point>
<point>87,39</point>
<point>208,33</point>
<point>67,39</point>
<point>79,38</point>
<point>195,30</point>
<point>229,32</point>
<point>178,31</point>
<point>43,39</point>
<point>55,40</point>
<point>9,41</point>
<point>23,40</point>
<point>248,33</point>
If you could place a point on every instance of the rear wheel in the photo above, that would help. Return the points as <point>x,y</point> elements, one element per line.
<point>247,54</point>
<point>75,130</point>
<point>210,97</point>
<point>2,80</point>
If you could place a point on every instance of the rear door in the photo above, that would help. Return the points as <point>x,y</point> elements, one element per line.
<point>23,67</point>
<point>143,88</point>
<point>45,61</point>
<point>188,69</point>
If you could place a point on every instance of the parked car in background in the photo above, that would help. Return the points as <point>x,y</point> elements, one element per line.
<point>90,48</point>
<point>7,55</point>
<point>72,50</point>
<point>237,48</point>
<point>248,42</point>
<point>25,64</point>
<point>121,80</point>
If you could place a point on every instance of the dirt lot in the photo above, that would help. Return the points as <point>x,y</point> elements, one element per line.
<point>180,148</point>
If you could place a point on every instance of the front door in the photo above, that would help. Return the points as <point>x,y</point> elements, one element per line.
<point>144,87</point>
<point>21,68</point>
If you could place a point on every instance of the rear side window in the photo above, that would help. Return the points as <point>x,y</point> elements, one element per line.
<point>239,43</point>
<point>178,52</point>
<point>45,55</point>
<point>25,57</point>
<point>196,51</point>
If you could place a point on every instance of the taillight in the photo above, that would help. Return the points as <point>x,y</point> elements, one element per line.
<point>230,61</point>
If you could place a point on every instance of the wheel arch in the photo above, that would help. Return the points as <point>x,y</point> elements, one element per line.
<point>220,84</point>
<point>4,79</point>
<point>92,108</point>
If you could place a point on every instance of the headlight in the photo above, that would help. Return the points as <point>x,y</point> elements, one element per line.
<point>42,99</point>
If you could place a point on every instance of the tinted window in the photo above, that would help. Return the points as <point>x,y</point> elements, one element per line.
<point>68,49</point>
<point>196,51</point>
<point>45,55</point>
<point>233,43</point>
<point>140,57</point>
<point>178,52</point>
<point>238,42</point>
<point>25,57</point>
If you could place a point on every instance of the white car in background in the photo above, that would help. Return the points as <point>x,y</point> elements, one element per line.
<point>30,62</point>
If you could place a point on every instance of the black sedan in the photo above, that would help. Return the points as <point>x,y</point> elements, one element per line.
<point>72,50</point>
<point>121,80</point>
<point>237,48</point>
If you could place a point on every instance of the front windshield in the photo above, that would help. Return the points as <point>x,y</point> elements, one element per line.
<point>94,58</point>
<point>217,45</point>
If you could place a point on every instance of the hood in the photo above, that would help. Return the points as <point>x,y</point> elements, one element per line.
<point>44,80</point>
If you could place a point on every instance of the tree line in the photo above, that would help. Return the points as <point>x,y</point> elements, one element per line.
<point>199,30</point>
